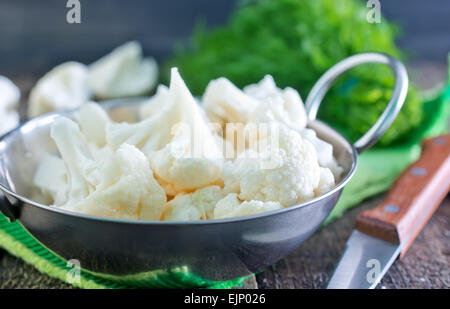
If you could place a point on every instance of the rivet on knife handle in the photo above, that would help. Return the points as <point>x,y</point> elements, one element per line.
<point>413,198</point>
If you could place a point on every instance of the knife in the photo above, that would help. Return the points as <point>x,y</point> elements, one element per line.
<point>387,231</point>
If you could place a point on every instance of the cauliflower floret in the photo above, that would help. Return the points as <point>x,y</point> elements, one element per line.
<point>93,121</point>
<point>9,99</point>
<point>126,190</point>
<point>181,147</point>
<point>326,182</point>
<point>292,179</point>
<point>99,154</point>
<point>258,103</point>
<point>154,132</point>
<point>179,175</point>
<point>123,73</point>
<point>223,102</point>
<point>73,147</point>
<point>231,206</point>
<point>155,103</point>
<point>192,159</point>
<point>198,205</point>
<point>122,186</point>
<point>277,105</point>
<point>51,179</point>
<point>262,103</point>
<point>324,152</point>
<point>64,87</point>
<point>149,134</point>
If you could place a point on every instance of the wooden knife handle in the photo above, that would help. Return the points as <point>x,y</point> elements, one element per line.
<point>413,198</point>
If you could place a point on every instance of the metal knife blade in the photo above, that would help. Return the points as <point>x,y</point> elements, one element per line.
<point>386,231</point>
<point>364,262</point>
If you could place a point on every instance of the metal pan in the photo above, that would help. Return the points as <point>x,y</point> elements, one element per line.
<point>213,249</point>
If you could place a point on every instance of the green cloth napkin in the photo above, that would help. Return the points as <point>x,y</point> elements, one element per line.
<point>377,169</point>
<point>16,240</point>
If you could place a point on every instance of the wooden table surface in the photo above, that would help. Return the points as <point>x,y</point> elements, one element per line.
<point>426,265</point>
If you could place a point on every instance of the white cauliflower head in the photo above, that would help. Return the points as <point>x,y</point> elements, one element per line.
<point>198,205</point>
<point>122,186</point>
<point>64,87</point>
<point>293,179</point>
<point>123,73</point>
<point>9,101</point>
<point>230,206</point>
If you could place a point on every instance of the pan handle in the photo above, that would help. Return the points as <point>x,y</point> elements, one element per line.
<point>321,87</point>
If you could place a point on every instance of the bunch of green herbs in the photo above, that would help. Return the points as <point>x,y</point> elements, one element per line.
<point>296,42</point>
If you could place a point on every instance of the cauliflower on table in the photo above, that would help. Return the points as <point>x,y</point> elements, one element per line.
<point>9,100</point>
<point>64,87</point>
<point>123,73</point>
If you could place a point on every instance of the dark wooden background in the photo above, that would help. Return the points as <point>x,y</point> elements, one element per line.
<point>34,36</point>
